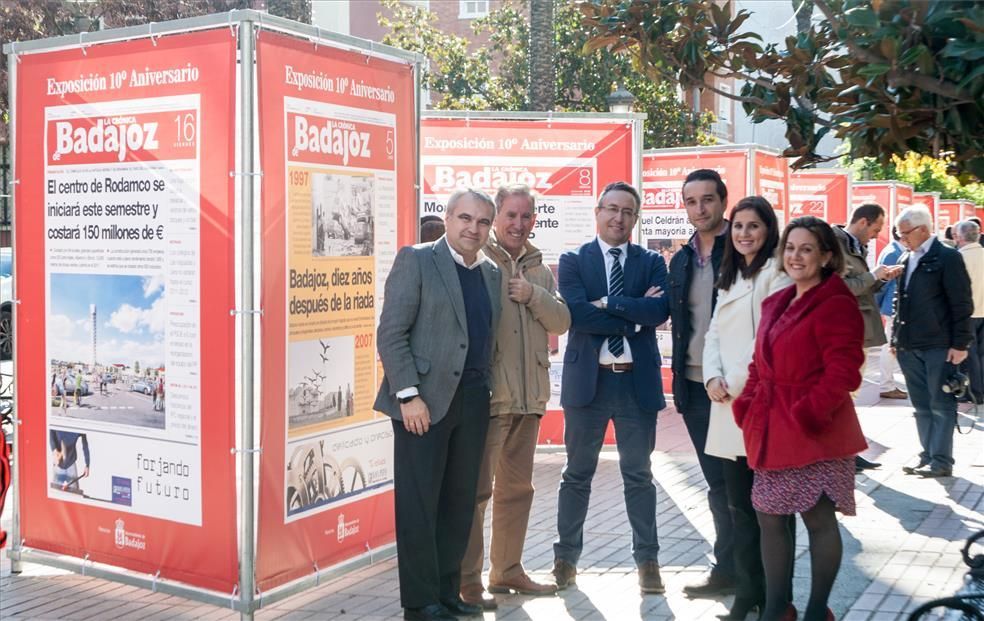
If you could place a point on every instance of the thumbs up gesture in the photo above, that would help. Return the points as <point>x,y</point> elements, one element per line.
<point>520,289</point>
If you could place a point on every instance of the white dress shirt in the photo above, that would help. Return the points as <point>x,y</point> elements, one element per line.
<point>915,256</point>
<point>606,357</point>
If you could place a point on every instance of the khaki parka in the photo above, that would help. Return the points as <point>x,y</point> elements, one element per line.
<point>521,361</point>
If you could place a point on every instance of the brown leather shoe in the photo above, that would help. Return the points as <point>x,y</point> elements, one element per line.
<point>649,579</point>
<point>524,585</point>
<point>565,574</point>
<point>895,393</point>
<point>475,594</point>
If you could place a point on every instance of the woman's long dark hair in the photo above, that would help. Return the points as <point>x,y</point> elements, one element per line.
<point>733,262</point>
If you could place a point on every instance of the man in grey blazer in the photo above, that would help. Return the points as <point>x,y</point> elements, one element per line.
<point>435,339</point>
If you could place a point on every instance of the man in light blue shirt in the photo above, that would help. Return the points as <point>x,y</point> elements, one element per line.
<point>890,388</point>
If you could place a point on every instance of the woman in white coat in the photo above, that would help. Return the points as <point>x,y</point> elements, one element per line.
<point>749,274</point>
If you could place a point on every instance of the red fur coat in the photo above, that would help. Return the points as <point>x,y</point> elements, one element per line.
<point>796,408</point>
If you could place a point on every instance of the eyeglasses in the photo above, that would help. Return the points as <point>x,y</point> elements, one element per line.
<point>906,233</point>
<point>612,211</point>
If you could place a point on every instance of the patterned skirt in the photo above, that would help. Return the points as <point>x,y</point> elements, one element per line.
<point>784,492</point>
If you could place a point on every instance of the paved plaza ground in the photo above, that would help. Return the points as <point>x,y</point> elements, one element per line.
<point>901,549</point>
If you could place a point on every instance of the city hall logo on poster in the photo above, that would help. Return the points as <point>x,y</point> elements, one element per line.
<point>346,529</point>
<point>123,539</point>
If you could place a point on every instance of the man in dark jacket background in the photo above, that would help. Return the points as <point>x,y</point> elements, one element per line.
<point>694,270</point>
<point>932,334</point>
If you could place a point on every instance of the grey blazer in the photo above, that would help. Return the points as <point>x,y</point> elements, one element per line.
<point>422,337</point>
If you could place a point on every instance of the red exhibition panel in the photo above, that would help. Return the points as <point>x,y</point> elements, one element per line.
<point>822,193</point>
<point>771,182</point>
<point>337,144</point>
<point>931,201</point>
<point>125,273</point>
<point>948,213</point>
<point>962,208</point>
<point>566,162</point>
<point>903,195</point>
<point>893,197</point>
<point>664,222</point>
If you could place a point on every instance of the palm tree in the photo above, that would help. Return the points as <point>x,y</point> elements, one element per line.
<point>541,50</point>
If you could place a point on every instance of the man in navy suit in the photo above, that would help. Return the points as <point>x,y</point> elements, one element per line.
<point>611,373</point>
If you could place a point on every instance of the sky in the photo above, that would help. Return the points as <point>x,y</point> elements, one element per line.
<point>130,318</point>
<point>305,359</point>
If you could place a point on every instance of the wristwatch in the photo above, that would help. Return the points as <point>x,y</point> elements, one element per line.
<point>403,400</point>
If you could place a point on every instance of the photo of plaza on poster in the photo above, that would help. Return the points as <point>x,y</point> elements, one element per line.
<point>342,223</point>
<point>106,339</point>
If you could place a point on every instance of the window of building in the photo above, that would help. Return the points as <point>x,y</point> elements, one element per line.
<point>470,9</point>
<point>420,4</point>
<point>724,104</point>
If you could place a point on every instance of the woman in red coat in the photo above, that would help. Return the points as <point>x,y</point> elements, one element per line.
<point>797,417</point>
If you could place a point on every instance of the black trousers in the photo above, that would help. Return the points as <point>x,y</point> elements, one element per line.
<point>697,418</point>
<point>436,478</point>
<point>749,575</point>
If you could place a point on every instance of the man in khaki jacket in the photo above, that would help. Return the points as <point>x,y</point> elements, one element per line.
<point>866,223</point>
<point>531,309</point>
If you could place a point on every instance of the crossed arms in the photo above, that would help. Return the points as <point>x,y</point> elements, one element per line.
<point>622,313</point>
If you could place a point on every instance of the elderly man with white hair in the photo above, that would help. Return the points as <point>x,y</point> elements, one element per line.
<point>967,234</point>
<point>932,334</point>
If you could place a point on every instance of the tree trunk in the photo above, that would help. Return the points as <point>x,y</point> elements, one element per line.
<point>542,71</point>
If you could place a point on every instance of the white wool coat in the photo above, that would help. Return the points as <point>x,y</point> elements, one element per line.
<point>728,349</point>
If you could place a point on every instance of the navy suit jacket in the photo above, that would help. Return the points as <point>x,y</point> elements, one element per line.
<point>581,278</point>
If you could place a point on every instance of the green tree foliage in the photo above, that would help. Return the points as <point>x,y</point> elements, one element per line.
<point>887,76</point>
<point>924,173</point>
<point>495,76</point>
<point>24,20</point>
<point>461,79</point>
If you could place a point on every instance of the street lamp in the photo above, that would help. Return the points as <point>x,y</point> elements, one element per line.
<point>621,100</point>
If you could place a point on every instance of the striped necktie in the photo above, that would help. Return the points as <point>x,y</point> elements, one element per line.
<point>615,344</point>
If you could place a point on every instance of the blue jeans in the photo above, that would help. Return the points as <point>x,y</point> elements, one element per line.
<point>697,418</point>
<point>635,436</point>
<point>936,412</point>
<point>67,478</point>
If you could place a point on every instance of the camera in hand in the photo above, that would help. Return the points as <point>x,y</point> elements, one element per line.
<point>957,384</point>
